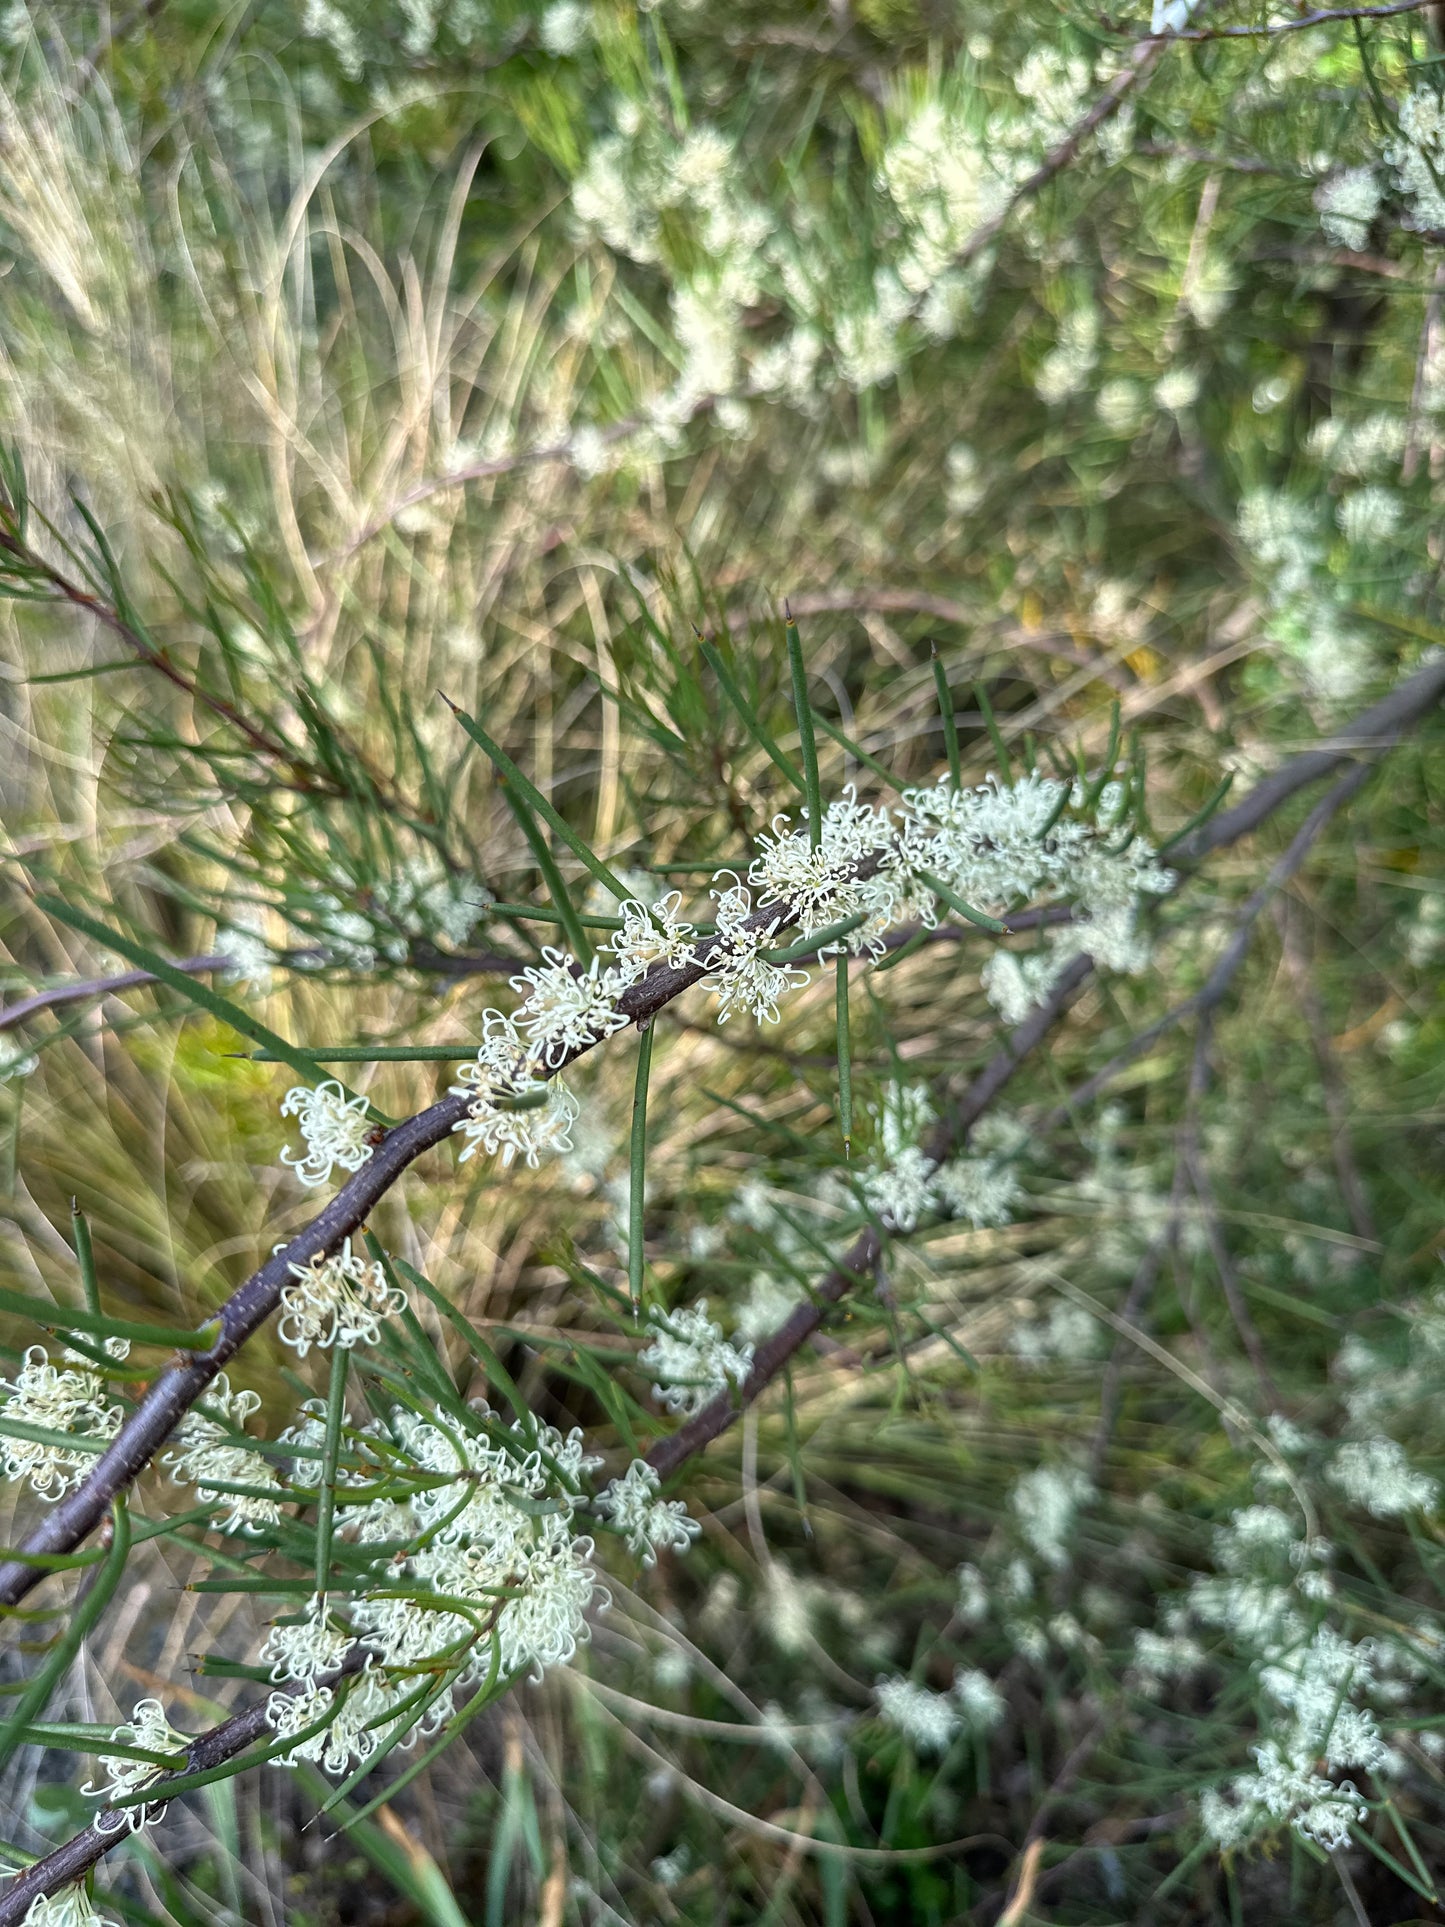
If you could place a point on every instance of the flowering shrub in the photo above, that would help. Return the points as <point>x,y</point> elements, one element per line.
<point>851,1325</point>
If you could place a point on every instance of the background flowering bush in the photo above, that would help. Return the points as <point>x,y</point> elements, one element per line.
<point>901,1378</point>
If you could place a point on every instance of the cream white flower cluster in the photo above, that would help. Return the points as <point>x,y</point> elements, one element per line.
<point>56,1398</point>
<point>649,1524</point>
<point>1376,1475</point>
<point>149,1729</point>
<point>1285,1788</point>
<point>903,1185</point>
<point>690,1360</point>
<point>333,1126</point>
<point>1347,203</point>
<point>336,1300</point>
<point>930,1722</point>
<point>493,1535</point>
<point>993,846</point>
<point>67,1907</point>
<point>208,1455</point>
<point>512,1108</point>
<point>423,901</point>
<point>1265,1599</point>
<point>1418,156</point>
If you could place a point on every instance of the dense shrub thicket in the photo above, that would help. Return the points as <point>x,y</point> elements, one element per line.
<point>720,1060</point>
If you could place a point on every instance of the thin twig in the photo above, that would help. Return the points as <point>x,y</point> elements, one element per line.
<point>1142,59</point>
<point>1191,1152</point>
<point>112,1825</point>
<point>434,962</point>
<point>1139,65</point>
<point>1022,1887</point>
<point>1332,1081</point>
<point>85,988</point>
<point>1216,986</point>
<point>1374,731</point>
<point>1323,17</point>
<point>440,963</point>
<point>294,772</point>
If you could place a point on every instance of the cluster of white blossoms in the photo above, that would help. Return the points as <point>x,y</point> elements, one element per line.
<point>870,869</point>
<point>209,1455</point>
<point>15,1059</point>
<point>952,160</point>
<point>649,1524</point>
<point>424,900</point>
<point>1360,449</point>
<point>150,1730</point>
<point>1285,1788</point>
<point>1313,1684</point>
<point>690,1360</point>
<point>66,1907</point>
<point>333,1126</point>
<point>56,1398</point>
<point>336,1300</point>
<point>1418,156</point>
<point>1066,369</point>
<point>902,1184</point>
<point>1348,202</point>
<point>1376,1475</point>
<point>930,1722</point>
<point>492,1538</point>
<point>511,1107</point>
<point>1045,1504</point>
<point>1264,1604</point>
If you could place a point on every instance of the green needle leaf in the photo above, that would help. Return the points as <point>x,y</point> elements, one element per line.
<point>326,1493</point>
<point>960,908</point>
<point>950,722</point>
<point>535,800</point>
<point>751,722</point>
<point>85,1257</point>
<point>810,946</point>
<point>200,994</point>
<point>636,1196</point>
<point>577,938</point>
<point>1200,818</point>
<point>88,1609</point>
<point>69,1318</point>
<point>845,1057</point>
<point>1000,748</point>
<point>807,740</point>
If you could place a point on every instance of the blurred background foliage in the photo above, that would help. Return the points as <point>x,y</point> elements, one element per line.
<point>358,351</point>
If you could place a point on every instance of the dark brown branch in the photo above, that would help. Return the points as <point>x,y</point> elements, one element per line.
<point>1216,986</point>
<point>1369,734</point>
<point>861,1260</point>
<point>171,1395</point>
<point>87,987</point>
<point>1332,1080</point>
<point>1376,729</point>
<point>1322,17</point>
<point>435,962</point>
<point>76,1858</point>
<point>175,1391</point>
